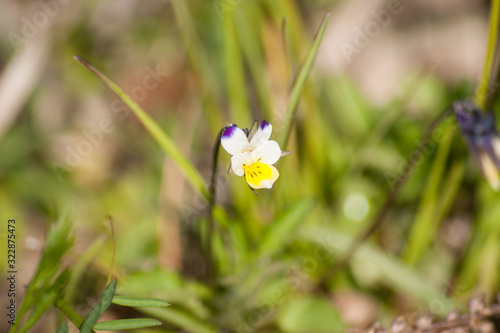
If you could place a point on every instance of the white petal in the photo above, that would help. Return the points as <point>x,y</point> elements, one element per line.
<point>234,140</point>
<point>262,135</point>
<point>237,162</point>
<point>268,153</point>
<point>490,171</point>
<point>495,142</point>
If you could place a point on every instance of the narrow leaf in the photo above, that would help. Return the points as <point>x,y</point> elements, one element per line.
<point>154,129</point>
<point>299,83</point>
<point>107,296</point>
<point>136,301</point>
<point>91,319</point>
<point>484,90</point>
<point>126,324</point>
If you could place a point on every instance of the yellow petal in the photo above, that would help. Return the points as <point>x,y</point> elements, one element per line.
<point>260,175</point>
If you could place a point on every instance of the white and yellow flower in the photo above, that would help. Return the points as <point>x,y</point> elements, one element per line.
<point>253,158</point>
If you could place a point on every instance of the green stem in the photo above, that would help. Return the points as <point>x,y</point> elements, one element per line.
<point>483,91</point>
<point>211,201</point>
<point>69,312</point>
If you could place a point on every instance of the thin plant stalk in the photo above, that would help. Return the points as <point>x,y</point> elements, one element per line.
<point>70,313</point>
<point>484,89</point>
<point>212,191</point>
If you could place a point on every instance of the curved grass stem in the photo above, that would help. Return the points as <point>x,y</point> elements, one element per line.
<point>166,143</point>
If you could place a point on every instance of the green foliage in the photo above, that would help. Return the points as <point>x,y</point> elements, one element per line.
<point>309,314</point>
<point>49,279</point>
<point>236,62</point>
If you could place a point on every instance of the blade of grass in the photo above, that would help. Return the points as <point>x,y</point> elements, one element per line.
<point>299,83</point>
<point>59,241</point>
<point>483,90</point>
<point>425,224</point>
<point>192,175</point>
<point>480,258</point>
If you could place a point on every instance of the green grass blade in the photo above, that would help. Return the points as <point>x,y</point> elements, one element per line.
<point>425,225</point>
<point>483,90</point>
<point>126,324</point>
<point>299,83</point>
<point>193,176</point>
<point>136,301</point>
<point>59,241</point>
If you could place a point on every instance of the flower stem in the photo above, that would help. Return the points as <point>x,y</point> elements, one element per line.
<point>484,90</point>
<point>211,201</point>
<point>70,313</point>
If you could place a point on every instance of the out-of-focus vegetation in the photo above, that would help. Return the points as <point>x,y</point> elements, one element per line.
<point>69,147</point>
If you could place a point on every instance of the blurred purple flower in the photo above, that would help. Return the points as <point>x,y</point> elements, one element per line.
<point>480,133</point>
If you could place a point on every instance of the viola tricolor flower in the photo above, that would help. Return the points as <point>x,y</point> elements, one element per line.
<point>481,135</point>
<point>253,156</point>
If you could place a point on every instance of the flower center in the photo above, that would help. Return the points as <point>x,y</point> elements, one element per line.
<point>256,172</point>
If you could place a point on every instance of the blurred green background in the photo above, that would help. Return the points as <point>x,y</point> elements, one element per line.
<point>383,72</point>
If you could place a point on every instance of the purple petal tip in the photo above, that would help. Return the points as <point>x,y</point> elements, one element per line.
<point>263,124</point>
<point>228,132</point>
